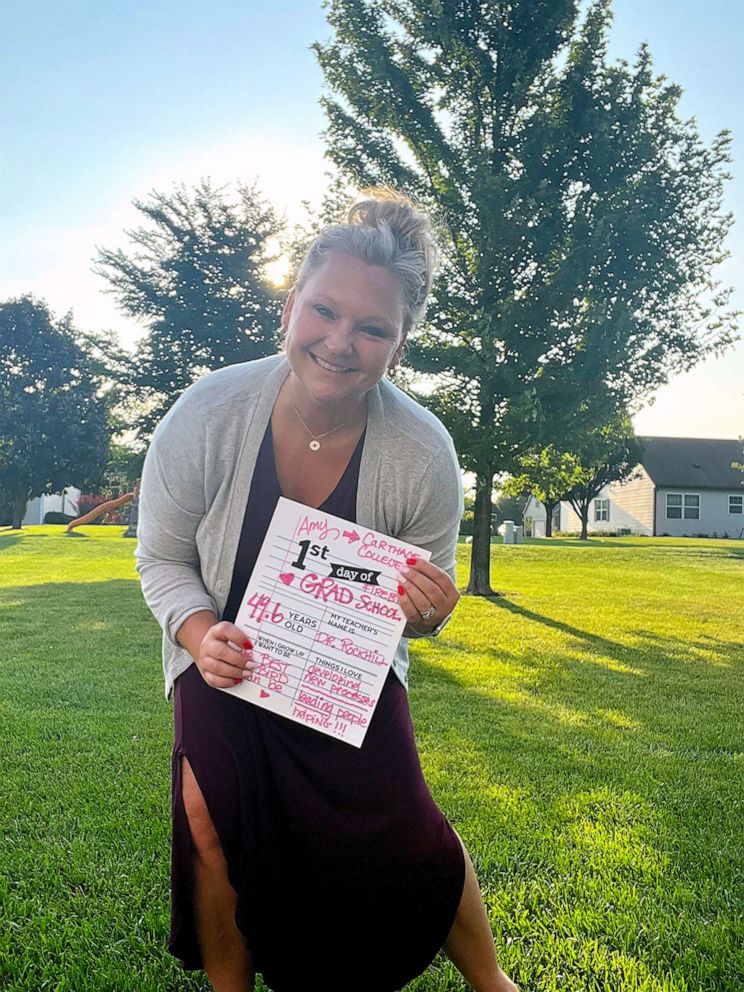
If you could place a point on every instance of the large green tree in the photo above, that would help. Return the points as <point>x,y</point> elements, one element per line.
<point>53,426</point>
<point>581,217</point>
<point>195,277</point>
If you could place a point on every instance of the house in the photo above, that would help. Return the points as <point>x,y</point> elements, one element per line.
<point>39,506</point>
<point>683,486</point>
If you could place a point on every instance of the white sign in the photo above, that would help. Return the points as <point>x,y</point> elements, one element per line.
<point>321,609</point>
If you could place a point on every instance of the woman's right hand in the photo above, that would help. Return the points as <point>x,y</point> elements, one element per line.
<point>225,655</point>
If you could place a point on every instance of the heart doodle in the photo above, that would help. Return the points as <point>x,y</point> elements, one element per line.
<point>264,694</point>
<point>287,578</point>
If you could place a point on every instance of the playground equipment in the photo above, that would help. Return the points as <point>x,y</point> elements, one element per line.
<point>98,511</point>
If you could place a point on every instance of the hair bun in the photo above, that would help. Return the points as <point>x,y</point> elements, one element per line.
<point>382,204</point>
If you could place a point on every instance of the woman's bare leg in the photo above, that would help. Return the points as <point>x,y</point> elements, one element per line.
<point>227,960</point>
<point>469,944</point>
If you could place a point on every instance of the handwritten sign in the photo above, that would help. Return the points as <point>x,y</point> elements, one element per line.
<point>321,609</point>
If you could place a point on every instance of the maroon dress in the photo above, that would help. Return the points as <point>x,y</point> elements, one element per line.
<point>347,873</point>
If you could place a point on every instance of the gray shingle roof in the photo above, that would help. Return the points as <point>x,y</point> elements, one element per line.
<point>691,462</point>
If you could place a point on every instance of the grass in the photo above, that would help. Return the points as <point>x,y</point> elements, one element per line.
<point>583,732</point>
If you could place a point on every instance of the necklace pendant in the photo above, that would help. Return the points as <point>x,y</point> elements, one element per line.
<point>314,445</point>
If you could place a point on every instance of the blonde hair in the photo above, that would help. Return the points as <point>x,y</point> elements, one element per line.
<point>383,228</point>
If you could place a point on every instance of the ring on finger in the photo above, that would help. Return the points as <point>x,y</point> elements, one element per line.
<point>428,613</point>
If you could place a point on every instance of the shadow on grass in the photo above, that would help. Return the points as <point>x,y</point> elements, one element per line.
<point>687,545</point>
<point>502,603</point>
<point>8,540</point>
<point>565,542</point>
<point>577,799</point>
<point>22,533</point>
<point>573,542</point>
<point>88,645</point>
<point>584,815</point>
<point>633,656</point>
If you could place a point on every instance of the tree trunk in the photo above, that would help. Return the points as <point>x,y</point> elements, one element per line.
<point>20,501</point>
<point>480,561</point>
<point>581,509</point>
<point>549,508</point>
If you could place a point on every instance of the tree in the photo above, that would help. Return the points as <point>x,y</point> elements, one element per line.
<point>508,507</point>
<point>195,278</point>
<point>580,217</point>
<point>115,368</point>
<point>53,429</point>
<point>123,467</point>
<point>739,465</point>
<point>6,510</point>
<point>548,475</point>
<point>607,454</point>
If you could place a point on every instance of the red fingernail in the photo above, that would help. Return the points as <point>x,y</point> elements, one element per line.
<point>401,590</point>
<point>247,645</point>
<point>238,681</point>
<point>411,561</point>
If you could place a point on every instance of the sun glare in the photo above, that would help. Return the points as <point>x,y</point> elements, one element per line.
<point>277,272</point>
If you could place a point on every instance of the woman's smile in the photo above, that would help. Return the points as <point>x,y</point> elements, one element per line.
<point>330,366</point>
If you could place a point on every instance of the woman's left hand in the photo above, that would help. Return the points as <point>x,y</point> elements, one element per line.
<point>424,585</point>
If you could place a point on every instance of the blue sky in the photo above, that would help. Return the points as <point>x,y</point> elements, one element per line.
<point>105,101</point>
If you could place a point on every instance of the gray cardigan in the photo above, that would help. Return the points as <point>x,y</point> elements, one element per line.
<point>197,477</point>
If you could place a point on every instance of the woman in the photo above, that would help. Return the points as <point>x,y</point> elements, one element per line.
<point>320,865</point>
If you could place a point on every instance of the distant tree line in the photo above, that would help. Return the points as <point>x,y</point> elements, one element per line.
<point>76,408</point>
<point>53,423</point>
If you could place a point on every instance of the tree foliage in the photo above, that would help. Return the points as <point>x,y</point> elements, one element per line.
<point>581,217</point>
<point>53,429</point>
<point>508,507</point>
<point>547,474</point>
<point>739,465</point>
<point>195,278</point>
<point>123,467</point>
<point>609,453</point>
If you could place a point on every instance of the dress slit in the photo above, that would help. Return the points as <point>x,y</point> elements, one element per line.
<point>183,941</point>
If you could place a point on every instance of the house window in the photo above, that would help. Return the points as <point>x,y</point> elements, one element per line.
<point>691,507</point>
<point>736,504</point>
<point>674,506</point>
<point>682,505</point>
<point>601,509</point>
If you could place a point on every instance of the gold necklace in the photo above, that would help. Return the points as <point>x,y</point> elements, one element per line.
<point>314,444</point>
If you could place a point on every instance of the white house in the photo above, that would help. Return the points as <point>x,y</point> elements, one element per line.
<point>683,486</point>
<point>64,502</point>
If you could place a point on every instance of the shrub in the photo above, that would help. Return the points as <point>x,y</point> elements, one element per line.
<point>55,517</point>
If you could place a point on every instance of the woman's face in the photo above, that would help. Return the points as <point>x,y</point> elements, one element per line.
<point>344,329</point>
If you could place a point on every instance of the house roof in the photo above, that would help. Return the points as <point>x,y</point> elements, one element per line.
<point>692,462</point>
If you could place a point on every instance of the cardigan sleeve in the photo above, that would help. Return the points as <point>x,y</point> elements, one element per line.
<point>435,523</point>
<point>172,505</point>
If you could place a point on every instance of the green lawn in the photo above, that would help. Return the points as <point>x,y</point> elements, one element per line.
<point>583,733</point>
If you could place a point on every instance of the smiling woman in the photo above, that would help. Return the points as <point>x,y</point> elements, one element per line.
<point>275,824</point>
<point>344,330</point>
